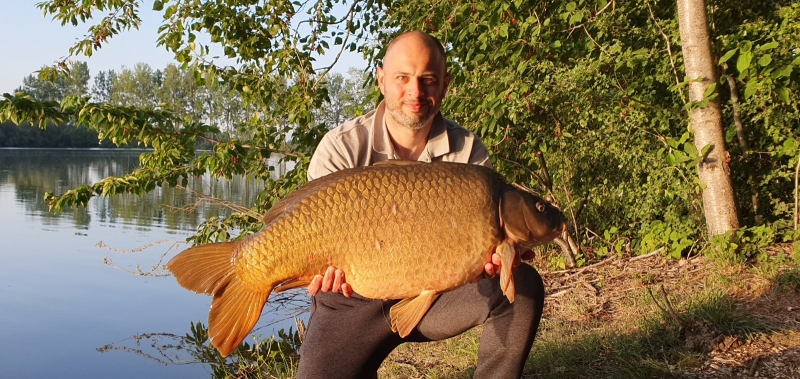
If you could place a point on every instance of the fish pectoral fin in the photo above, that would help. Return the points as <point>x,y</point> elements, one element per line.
<point>407,313</point>
<point>235,310</point>
<point>507,254</point>
<point>292,283</point>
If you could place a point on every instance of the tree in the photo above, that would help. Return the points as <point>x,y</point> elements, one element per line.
<point>103,86</point>
<point>582,100</point>
<point>706,118</point>
<point>74,82</point>
<point>346,97</point>
<point>136,87</point>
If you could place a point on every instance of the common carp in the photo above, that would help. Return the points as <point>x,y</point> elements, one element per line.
<point>399,230</point>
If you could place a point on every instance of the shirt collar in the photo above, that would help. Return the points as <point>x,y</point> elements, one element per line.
<point>438,141</point>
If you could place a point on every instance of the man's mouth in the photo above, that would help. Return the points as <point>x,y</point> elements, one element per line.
<point>416,107</point>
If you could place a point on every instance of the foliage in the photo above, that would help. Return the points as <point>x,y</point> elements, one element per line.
<point>593,85</point>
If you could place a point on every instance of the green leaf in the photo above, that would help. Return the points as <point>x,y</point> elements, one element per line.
<point>783,94</point>
<point>571,6</point>
<point>710,90</point>
<point>784,71</point>
<point>769,46</point>
<point>743,63</point>
<point>750,89</point>
<point>690,150</point>
<point>727,56</point>
<point>707,149</point>
<point>158,5</point>
<point>764,60</point>
<point>171,10</point>
<point>504,31</point>
<point>746,47</point>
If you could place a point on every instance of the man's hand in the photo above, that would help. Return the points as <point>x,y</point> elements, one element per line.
<point>333,280</point>
<point>493,268</point>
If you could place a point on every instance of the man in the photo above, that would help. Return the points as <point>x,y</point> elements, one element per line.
<point>349,336</point>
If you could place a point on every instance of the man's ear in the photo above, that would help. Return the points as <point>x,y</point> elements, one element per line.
<point>446,83</point>
<point>381,76</point>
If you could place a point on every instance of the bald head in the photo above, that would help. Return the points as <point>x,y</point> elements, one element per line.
<point>413,80</point>
<point>420,41</point>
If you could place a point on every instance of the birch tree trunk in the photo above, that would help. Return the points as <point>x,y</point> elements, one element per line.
<point>718,202</point>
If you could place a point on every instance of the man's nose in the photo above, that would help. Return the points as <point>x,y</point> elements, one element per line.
<point>415,87</point>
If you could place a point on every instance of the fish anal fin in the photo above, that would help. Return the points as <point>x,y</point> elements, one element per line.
<point>292,283</point>
<point>204,267</point>
<point>407,313</point>
<point>234,312</point>
<point>507,254</point>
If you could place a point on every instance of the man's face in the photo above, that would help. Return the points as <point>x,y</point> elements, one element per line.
<point>413,81</point>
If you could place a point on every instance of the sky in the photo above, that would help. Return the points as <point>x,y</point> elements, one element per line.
<point>30,40</point>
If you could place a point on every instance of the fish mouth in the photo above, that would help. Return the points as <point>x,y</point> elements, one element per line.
<point>555,233</point>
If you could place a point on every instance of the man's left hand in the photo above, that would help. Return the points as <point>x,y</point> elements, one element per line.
<point>493,268</point>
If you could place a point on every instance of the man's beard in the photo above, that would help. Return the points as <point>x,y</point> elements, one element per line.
<point>410,122</point>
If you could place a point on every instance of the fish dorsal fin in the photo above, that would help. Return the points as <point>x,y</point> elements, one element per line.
<point>398,162</point>
<point>407,313</point>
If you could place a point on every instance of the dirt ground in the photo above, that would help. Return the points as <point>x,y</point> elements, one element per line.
<point>601,292</point>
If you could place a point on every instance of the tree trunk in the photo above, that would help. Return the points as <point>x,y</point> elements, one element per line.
<point>718,203</point>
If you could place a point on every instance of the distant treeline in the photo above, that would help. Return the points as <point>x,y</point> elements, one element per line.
<point>206,101</point>
<point>65,135</point>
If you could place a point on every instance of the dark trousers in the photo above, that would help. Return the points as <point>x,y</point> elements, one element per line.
<point>349,338</point>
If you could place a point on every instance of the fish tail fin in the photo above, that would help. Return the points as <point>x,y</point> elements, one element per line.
<point>235,309</point>
<point>203,268</point>
<point>507,255</point>
<point>234,312</point>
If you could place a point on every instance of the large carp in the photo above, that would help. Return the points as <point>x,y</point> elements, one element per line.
<point>399,230</point>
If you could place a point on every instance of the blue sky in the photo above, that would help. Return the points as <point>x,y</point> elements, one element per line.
<point>30,40</point>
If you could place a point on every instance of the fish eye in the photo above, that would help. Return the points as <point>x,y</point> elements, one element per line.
<point>539,206</point>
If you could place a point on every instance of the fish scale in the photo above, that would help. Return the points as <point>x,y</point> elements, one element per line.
<point>399,230</point>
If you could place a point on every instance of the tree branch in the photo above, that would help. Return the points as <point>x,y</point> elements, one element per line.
<point>669,48</point>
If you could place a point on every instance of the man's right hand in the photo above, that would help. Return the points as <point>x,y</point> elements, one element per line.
<point>334,280</point>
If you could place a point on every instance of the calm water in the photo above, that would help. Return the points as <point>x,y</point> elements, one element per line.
<point>59,301</point>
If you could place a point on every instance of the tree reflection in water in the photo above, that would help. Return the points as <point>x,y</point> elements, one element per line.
<point>274,356</point>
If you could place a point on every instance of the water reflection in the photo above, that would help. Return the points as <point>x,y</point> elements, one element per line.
<point>33,172</point>
<point>59,303</point>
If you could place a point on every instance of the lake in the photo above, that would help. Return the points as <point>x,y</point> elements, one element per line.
<point>66,284</point>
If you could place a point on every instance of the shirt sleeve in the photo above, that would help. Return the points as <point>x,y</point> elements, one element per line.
<point>479,154</point>
<point>329,157</point>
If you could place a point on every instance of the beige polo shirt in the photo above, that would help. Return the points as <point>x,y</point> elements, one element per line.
<point>364,141</point>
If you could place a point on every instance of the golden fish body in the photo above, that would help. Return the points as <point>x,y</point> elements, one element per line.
<point>394,231</point>
<point>399,230</point>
